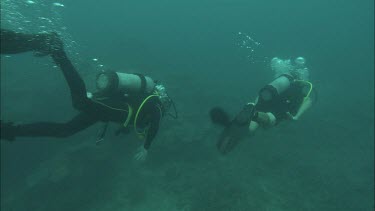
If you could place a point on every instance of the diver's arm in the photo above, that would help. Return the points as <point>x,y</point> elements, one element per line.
<point>306,104</point>
<point>154,127</point>
<point>307,101</point>
<point>151,133</point>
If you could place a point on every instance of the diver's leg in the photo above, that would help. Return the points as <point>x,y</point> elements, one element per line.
<point>253,126</point>
<point>265,120</point>
<point>245,115</point>
<point>14,42</point>
<point>76,84</point>
<point>236,130</point>
<point>47,129</point>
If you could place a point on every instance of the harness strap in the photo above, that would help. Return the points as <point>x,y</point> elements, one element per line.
<point>143,82</point>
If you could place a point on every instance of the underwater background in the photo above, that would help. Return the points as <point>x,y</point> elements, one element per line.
<point>207,53</point>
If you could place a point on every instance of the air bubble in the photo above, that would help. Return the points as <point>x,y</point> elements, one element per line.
<point>250,47</point>
<point>56,4</point>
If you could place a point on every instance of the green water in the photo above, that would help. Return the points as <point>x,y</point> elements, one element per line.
<point>325,161</point>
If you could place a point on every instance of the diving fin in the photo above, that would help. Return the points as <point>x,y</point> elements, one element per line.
<point>237,129</point>
<point>219,116</point>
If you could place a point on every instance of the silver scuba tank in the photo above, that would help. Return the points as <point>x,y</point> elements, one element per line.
<point>276,87</point>
<point>126,83</point>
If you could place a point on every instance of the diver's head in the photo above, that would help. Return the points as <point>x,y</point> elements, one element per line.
<point>300,62</point>
<point>275,62</point>
<point>280,66</point>
<point>166,101</point>
<point>300,71</point>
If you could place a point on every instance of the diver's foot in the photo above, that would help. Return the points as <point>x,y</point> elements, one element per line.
<point>219,116</point>
<point>49,43</point>
<point>230,137</point>
<point>7,131</point>
<point>246,115</point>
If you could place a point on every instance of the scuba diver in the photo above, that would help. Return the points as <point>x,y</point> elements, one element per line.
<point>287,97</point>
<point>131,100</point>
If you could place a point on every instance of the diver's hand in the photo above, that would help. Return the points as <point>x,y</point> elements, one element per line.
<point>49,43</point>
<point>291,117</point>
<point>141,154</point>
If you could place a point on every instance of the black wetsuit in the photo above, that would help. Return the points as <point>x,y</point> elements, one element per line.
<point>288,101</point>
<point>113,108</point>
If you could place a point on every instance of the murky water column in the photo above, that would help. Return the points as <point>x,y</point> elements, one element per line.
<point>38,16</point>
<point>250,48</point>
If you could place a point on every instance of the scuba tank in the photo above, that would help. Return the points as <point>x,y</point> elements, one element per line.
<point>110,81</point>
<point>143,87</point>
<point>276,87</point>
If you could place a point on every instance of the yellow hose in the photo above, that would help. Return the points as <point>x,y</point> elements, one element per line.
<point>141,134</point>
<point>311,86</point>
